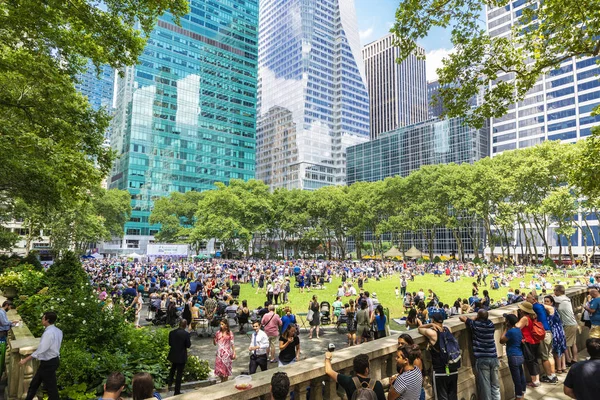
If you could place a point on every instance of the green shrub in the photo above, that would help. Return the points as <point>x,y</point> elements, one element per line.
<point>437,259</point>
<point>548,262</point>
<point>477,261</point>
<point>196,369</point>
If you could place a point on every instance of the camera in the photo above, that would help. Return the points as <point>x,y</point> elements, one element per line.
<point>331,347</point>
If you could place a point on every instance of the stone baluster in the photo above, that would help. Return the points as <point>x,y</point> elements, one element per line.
<point>376,368</point>
<point>316,389</point>
<point>330,389</point>
<point>300,390</point>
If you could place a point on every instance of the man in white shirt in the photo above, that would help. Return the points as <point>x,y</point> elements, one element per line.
<point>351,290</point>
<point>47,353</point>
<point>259,344</point>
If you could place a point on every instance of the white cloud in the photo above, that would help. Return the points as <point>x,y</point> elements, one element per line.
<point>434,61</point>
<point>365,35</point>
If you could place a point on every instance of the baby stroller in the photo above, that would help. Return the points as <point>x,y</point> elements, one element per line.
<point>160,318</point>
<point>342,322</point>
<point>325,313</point>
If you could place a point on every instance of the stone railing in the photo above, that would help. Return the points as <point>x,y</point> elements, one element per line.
<point>20,344</point>
<point>310,373</point>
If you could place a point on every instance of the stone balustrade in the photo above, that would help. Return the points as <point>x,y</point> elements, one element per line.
<point>310,373</point>
<point>21,343</point>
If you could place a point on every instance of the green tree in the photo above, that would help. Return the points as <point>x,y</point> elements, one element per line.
<point>561,205</point>
<point>51,138</point>
<point>543,36</point>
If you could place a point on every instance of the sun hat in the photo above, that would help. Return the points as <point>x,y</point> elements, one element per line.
<point>527,307</point>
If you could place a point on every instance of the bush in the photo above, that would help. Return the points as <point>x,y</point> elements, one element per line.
<point>196,369</point>
<point>24,277</point>
<point>548,262</point>
<point>477,261</point>
<point>437,259</point>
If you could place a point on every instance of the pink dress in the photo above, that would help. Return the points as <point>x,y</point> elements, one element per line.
<point>223,361</point>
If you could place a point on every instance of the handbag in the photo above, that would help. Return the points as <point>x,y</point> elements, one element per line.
<point>310,315</point>
<point>528,354</point>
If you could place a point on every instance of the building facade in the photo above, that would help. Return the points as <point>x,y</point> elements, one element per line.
<point>406,149</point>
<point>98,87</point>
<point>312,96</point>
<point>558,107</point>
<point>185,115</point>
<point>397,92</point>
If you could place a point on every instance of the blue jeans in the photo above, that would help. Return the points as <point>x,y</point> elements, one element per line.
<point>515,364</point>
<point>488,381</point>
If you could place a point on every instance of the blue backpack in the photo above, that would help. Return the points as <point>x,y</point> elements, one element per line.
<point>450,353</point>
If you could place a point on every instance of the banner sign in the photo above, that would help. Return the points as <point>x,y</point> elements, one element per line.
<point>180,250</point>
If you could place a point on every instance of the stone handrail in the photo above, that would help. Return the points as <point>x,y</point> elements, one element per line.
<point>20,344</point>
<point>311,372</point>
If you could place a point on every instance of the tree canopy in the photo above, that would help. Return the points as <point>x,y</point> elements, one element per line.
<point>51,138</point>
<point>512,200</point>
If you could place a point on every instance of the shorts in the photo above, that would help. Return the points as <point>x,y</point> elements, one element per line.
<point>571,334</point>
<point>595,331</point>
<point>273,340</point>
<point>546,347</point>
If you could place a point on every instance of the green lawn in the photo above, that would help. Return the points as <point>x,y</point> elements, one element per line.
<point>448,292</point>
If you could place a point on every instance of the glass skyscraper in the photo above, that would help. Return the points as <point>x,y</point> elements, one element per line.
<point>397,91</point>
<point>312,96</point>
<point>185,115</point>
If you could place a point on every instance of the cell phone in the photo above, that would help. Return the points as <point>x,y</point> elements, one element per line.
<point>331,347</point>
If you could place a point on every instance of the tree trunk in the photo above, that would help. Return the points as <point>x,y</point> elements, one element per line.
<point>570,244</point>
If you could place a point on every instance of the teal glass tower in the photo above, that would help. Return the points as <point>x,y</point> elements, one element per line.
<point>185,115</point>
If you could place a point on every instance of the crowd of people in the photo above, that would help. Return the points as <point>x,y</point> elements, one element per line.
<point>541,337</point>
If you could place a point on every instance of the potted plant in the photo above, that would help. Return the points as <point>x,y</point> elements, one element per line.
<point>10,283</point>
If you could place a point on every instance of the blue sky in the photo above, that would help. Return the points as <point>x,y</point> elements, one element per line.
<point>375,17</point>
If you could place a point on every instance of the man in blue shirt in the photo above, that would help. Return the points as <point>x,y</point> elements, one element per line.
<point>546,344</point>
<point>5,324</point>
<point>486,357</point>
<point>593,307</point>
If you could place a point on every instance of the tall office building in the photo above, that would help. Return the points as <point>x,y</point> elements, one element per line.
<point>185,115</point>
<point>557,108</point>
<point>312,96</point>
<point>397,92</point>
<point>98,86</point>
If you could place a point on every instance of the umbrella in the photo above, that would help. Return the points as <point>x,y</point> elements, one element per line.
<point>393,252</point>
<point>413,252</point>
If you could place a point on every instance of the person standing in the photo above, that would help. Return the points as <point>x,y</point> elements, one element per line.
<point>543,311</point>
<point>567,316</point>
<point>409,381</point>
<point>289,346</point>
<point>271,324</point>
<point>486,357</point>
<point>445,376</point>
<point>361,368</point>
<point>582,381</point>
<point>259,345</point>
<point>5,324</point>
<point>531,345</point>
<point>513,337</point>
<point>179,341</point>
<point>47,353</point>
<point>593,308</point>
<point>225,351</point>
<point>315,322</point>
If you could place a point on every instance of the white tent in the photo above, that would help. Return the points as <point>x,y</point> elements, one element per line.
<point>97,256</point>
<point>134,255</point>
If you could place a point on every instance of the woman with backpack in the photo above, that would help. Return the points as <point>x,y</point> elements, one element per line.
<point>529,326</point>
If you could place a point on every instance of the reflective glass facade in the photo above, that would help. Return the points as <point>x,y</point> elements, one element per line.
<point>557,107</point>
<point>397,92</point>
<point>407,149</point>
<point>185,115</point>
<point>312,97</point>
<point>98,87</point>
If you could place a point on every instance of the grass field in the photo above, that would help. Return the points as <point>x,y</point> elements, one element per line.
<point>447,292</point>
